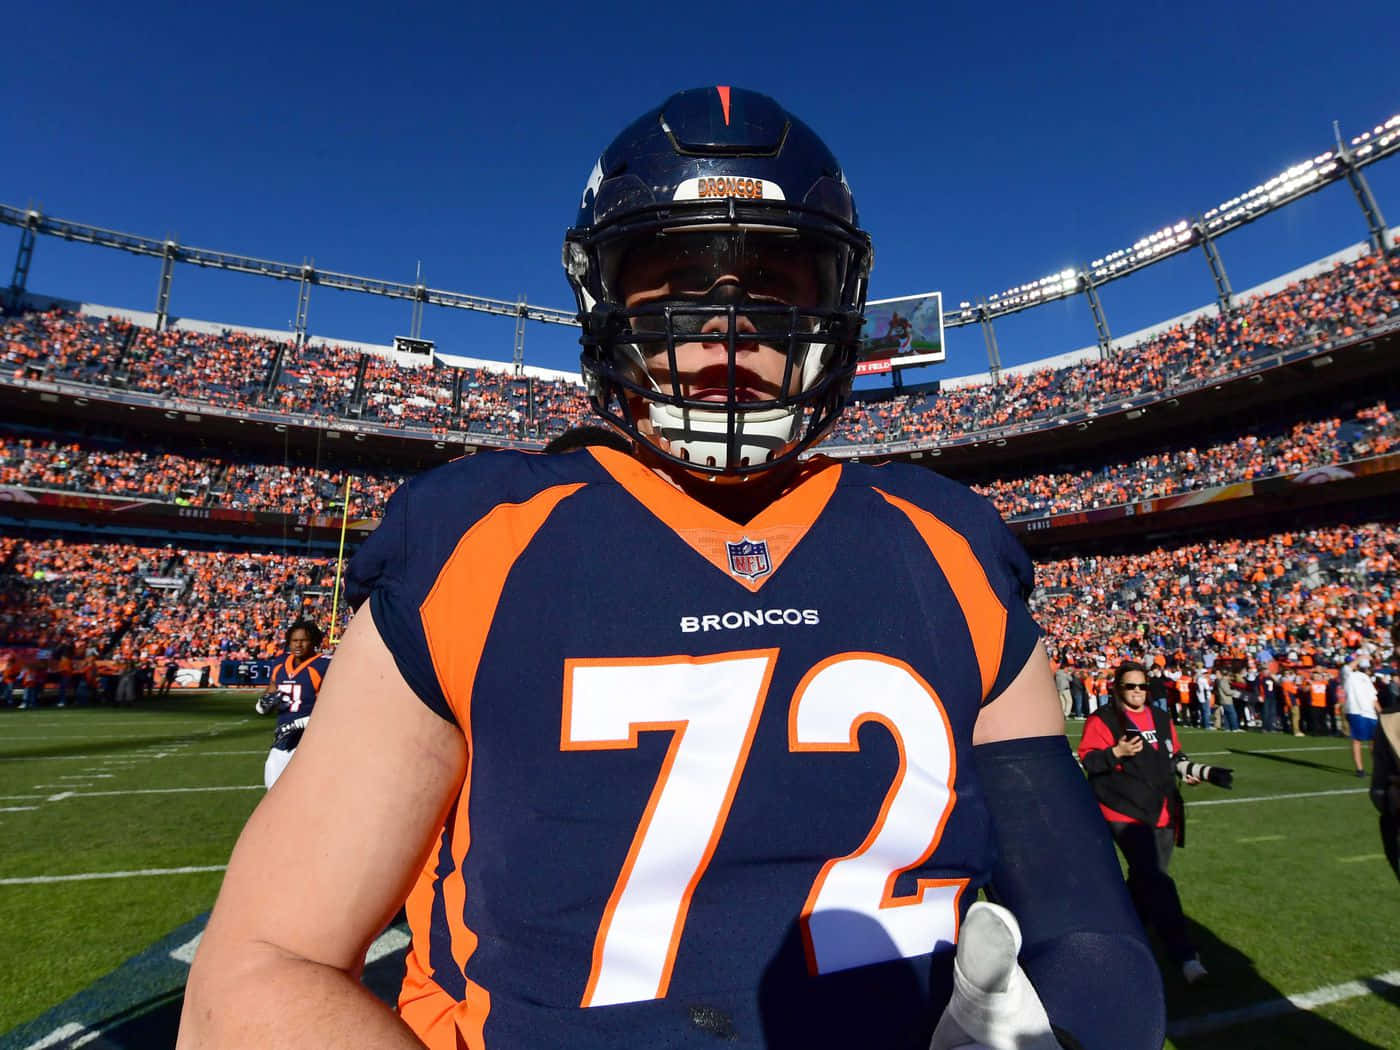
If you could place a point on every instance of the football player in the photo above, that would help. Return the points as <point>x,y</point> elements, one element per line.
<point>291,695</point>
<point>705,740</point>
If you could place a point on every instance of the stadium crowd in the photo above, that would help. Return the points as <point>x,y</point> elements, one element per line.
<point>1335,304</point>
<point>103,466</point>
<point>1371,431</point>
<point>1286,603</point>
<point>1291,601</point>
<point>130,601</point>
<point>1294,605</point>
<point>325,381</point>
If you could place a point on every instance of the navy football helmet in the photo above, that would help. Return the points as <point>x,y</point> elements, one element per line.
<point>719,219</point>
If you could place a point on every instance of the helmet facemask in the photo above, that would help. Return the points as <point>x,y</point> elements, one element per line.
<point>726,347</point>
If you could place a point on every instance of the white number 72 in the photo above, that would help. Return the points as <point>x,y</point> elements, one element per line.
<point>711,706</point>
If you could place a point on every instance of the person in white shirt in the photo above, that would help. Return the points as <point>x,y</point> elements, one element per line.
<point>1204,691</point>
<point>1361,711</point>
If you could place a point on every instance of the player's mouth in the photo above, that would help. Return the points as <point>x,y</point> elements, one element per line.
<point>712,384</point>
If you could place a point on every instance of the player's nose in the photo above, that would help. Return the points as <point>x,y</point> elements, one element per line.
<point>719,325</point>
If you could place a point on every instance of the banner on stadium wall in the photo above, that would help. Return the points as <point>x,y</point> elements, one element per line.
<point>901,333</point>
<point>40,498</point>
<point>245,672</point>
<point>198,675</point>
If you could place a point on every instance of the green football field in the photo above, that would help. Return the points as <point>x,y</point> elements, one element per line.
<point>115,826</point>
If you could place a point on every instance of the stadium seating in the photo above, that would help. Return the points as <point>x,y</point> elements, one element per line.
<point>1317,590</point>
<point>1337,303</point>
<point>1321,592</point>
<point>73,463</point>
<point>325,381</point>
<point>105,467</point>
<point>1371,431</point>
<point>130,601</point>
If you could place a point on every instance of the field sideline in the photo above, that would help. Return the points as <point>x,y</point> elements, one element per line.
<point>117,825</point>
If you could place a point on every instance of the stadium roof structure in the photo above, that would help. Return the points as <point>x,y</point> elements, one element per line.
<point>1299,180</point>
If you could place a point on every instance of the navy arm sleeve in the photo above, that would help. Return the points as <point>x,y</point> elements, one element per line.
<point>1083,947</point>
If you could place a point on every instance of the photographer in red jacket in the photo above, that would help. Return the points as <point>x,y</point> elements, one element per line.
<point>1133,759</point>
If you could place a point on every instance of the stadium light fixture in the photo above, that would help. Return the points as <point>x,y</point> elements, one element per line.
<point>1056,285</point>
<point>1169,239</point>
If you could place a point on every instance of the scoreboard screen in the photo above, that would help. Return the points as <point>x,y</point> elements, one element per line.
<point>417,347</point>
<point>903,332</point>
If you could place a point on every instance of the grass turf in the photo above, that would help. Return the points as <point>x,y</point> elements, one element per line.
<point>1287,895</point>
<point>58,937</point>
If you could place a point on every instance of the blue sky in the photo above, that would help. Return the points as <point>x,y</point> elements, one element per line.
<point>987,145</point>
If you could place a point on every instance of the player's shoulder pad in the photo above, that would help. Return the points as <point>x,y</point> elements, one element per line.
<point>427,516</point>
<point>971,516</point>
<point>950,501</point>
<point>467,489</point>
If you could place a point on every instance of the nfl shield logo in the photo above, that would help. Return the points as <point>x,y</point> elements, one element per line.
<point>749,559</point>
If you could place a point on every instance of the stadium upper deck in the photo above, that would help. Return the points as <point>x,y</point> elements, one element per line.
<point>48,460</point>
<point>321,383</point>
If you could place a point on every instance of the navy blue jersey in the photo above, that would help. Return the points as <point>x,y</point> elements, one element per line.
<point>719,777</point>
<point>297,684</point>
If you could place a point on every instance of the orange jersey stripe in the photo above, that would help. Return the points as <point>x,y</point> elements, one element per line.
<point>982,609</point>
<point>457,616</point>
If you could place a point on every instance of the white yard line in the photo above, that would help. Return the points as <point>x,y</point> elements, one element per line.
<point>391,940</point>
<point>1361,857</point>
<point>1334,993</point>
<point>53,758</point>
<point>71,1034</point>
<point>16,809</point>
<point>1270,750</point>
<point>35,880</point>
<point>122,759</point>
<point>185,953</point>
<point>95,736</point>
<point>1265,798</point>
<point>156,791</point>
<point>257,751</point>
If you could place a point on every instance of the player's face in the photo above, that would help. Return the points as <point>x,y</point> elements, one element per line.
<point>1133,690</point>
<point>299,643</point>
<point>707,270</point>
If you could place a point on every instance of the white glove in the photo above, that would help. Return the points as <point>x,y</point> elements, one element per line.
<point>993,1006</point>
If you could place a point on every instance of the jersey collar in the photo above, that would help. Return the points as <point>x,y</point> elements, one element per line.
<point>750,554</point>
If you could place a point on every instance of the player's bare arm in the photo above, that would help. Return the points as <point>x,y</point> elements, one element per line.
<point>345,829</point>
<point>1029,706</point>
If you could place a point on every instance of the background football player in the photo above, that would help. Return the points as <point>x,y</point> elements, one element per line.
<point>291,695</point>
<point>705,740</point>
